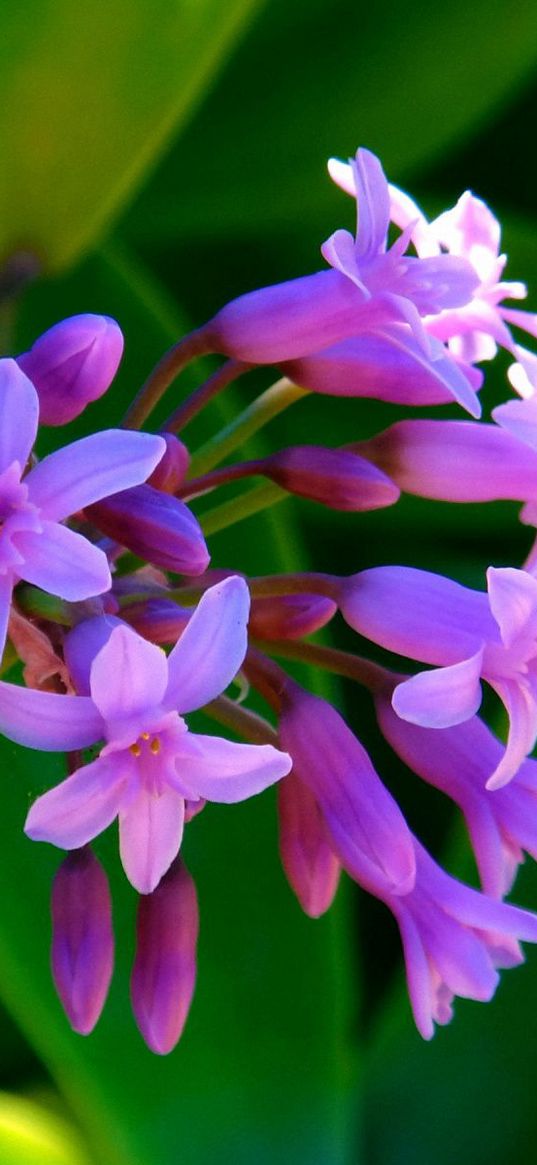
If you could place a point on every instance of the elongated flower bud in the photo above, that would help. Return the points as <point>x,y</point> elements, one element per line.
<point>155,526</point>
<point>454,461</point>
<point>164,971</point>
<point>82,953</point>
<point>171,470</point>
<point>334,477</point>
<point>72,364</point>
<point>160,620</point>
<point>289,616</point>
<point>308,859</point>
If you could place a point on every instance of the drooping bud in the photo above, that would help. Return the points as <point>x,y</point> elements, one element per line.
<point>334,477</point>
<point>164,971</point>
<point>309,861</point>
<point>82,954</point>
<point>73,364</point>
<point>154,525</point>
<point>171,470</point>
<point>289,616</point>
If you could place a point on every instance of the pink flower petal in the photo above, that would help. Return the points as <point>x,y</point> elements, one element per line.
<point>150,833</point>
<point>63,562</point>
<point>513,602</point>
<point>19,414</point>
<point>440,698</point>
<point>212,647</point>
<point>520,700</point>
<point>50,722</point>
<point>82,643</point>
<point>519,417</point>
<point>373,204</point>
<point>416,613</point>
<point>79,808</point>
<point>91,469</point>
<point>220,770</point>
<point>128,676</point>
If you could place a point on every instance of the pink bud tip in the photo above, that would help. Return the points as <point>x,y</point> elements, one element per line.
<point>164,971</point>
<point>82,954</point>
<point>308,859</point>
<point>334,477</point>
<point>289,616</point>
<point>73,364</point>
<point>172,468</point>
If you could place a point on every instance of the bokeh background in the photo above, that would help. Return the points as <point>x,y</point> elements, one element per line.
<point>158,158</point>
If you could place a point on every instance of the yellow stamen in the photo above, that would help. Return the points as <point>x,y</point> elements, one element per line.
<point>155,746</point>
<point>145,735</point>
<point>135,749</point>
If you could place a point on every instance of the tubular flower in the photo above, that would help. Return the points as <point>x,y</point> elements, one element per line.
<point>34,544</point>
<point>150,764</point>
<point>470,634</point>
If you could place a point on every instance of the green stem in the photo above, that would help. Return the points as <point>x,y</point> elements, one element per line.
<point>171,364</point>
<point>271,402</point>
<point>251,502</point>
<point>241,720</point>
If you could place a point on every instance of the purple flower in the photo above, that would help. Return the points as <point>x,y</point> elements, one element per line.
<point>35,545</point>
<point>154,525</point>
<point>72,364</point>
<point>164,972</point>
<point>82,953</point>
<point>150,764</point>
<point>368,288</point>
<point>471,635</point>
<point>458,761</point>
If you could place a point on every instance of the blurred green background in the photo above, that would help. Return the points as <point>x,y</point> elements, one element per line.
<point>159,158</point>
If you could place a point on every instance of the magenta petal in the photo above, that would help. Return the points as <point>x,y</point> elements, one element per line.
<point>19,415</point>
<point>308,859</point>
<point>50,722</point>
<point>440,698</point>
<point>513,602</point>
<point>78,809</point>
<point>211,648</point>
<point>164,971</point>
<point>520,700</point>
<point>220,770</point>
<point>519,417</point>
<point>63,562</point>
<point>417,970</point>
<point>91,469</point>
<point>417,613</point>
<point>150,833</point>
<point>128,676</point>
<point>82,953</point>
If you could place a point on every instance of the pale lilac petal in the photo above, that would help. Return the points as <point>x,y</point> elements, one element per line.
<point>63,562</point>
<point>211,648</point>
<point>150,834</point>
<point>513,602</point>
<point>403,212</point>
<point>78,809</point>
<point>519,417</point>
<point>342,174</point>
<point>220,770</point>
<point>373,204</point>
<point>82,643</point>
<point>440,698</point>
<point>472,908</point>
<point>6,589</point>
<point>47,721</point>
<point>417,613</point>
<point>520,702</point>
<point>340,252</point>
<point>19,415</point>
<point>418,970</point>
<point>91,469</point>
<point>526,320</point>
<point>128,676</point>
<point>436,283</point>
<point>470,229</point>
<point>461,959</point>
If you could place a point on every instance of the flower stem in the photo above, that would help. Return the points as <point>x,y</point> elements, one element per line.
<point>189,408</point>
<point>241,720</point>
<point>222,476</point>
<point>271,402</point>
<point>343,663</point>
<point>164,373</point>
<point>251,502</point>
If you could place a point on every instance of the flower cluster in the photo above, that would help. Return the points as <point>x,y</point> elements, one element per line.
<point>117,652</point>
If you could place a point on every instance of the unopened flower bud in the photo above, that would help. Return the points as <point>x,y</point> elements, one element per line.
<point>159,620</point>
<point>82,953</point>
<point>171,470</point>
<point>289,616</point>
<point>308,859</point>
<point>154,525</point>
<point>73,364</point>
<point>164,971</point>
<point>334,477</point>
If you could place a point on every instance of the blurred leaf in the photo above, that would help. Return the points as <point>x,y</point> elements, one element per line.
<point>89,97</point>
<point>320,77</point>
<point>264,1069</point>
<point>32,1135</point>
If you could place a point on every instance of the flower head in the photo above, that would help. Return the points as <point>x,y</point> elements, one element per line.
<point>72,364</point>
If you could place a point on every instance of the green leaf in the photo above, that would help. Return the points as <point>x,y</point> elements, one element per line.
<point>264,1068</point>
<point>89,97</point>
<point>317,79</point>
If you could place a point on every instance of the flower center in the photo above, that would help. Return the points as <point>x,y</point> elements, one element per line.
<point>146,743</point>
